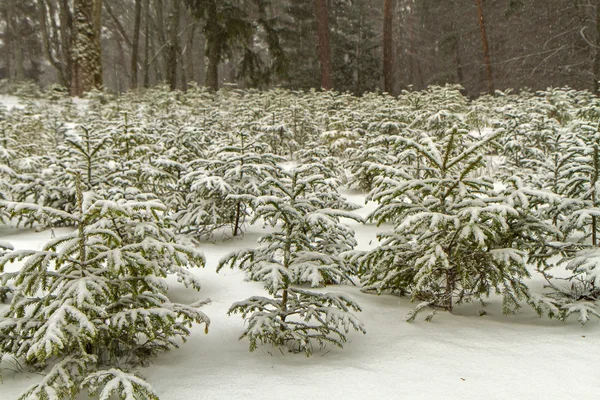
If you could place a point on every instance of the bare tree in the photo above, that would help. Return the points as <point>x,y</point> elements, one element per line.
<point>56,36</point>
<point>173,45</point>
<point>486,49</point>
<point>323,43</point>
<point>135,43</point>
<point>596,67</point>
<point>87,61</point>
<point>146,69</point>
<point>388,46</point>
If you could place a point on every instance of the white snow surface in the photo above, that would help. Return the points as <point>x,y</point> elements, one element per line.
<point>10,102</point>
<point>459,356</point>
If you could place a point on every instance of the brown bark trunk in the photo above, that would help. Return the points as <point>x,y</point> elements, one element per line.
<point>323,44</point>
<point>284,300</point>
<point>388,46</point>
<point>87,61</point>
<point>135,44</point>
<point>450,285</point>
<point>161,36</point>
<point>486,49</point>
<point>173,45</point>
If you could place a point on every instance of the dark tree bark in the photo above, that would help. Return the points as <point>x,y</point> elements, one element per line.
<point>173,45</point>
<point>87,61</point>
<point>161,37</point>
<point>8,42</point>
<point>388,46</point>
<point>117,24</point>
<point>189,55</point>
<point>135,43</point>
<point>146,69</point>
<point>213,48</point>
<point>66,37</point>
<point>48,46</point>
<point>596,70</point>
<point>323,44</point>
<point>486,48</point>
<point>457,59</point>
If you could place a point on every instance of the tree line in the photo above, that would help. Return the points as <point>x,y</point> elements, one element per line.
<point>346,45</point>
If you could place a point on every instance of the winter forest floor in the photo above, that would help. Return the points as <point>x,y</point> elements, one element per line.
<point>463,355</point>
<point>459,356</point>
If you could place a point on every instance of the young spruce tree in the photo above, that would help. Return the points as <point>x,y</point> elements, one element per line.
<point>305,249</point>
<point>455,239</point>
<point>92,303</point>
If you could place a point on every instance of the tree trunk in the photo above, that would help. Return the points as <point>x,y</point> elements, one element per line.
<point>18,53</point>
<point>412,76</point>
<point>597,51</point>
<point>8,42</point>
<point>189,55</point>
<point>147,45</point>
<point>595,176</point>
<point>450,285</point>
<point>486,49</point>
<point>323,44</point>
<point>213,48</point>
<point>457,60</point>
<point>173,45</point>
<point>388,46</point>
<point>47,45</point>
<point>87,61</point>
<point>159,28</point>
<point>66,40</point>
<point>136,43</point>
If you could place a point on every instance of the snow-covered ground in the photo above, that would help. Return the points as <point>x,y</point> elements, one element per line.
<point>9,101</point>
<point>460,356</point>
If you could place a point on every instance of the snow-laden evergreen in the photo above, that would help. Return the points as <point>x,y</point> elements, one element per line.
<point>221,188</point>
<point>306,248</point>
<point>96,298</point>
<point>455,239</point>
<point>480,199</point>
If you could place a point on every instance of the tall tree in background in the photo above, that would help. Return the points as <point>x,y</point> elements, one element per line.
<point>19,40</point>
<point>228,28</point>
<point>87,59</point>
<point>535,43</point>
<point>486,48</point>
<point>136,43</point>
<point>173,45</point>
<point>225,24</point>
<point>146,66</point>
<point>388,46</point>
<point>323,43</point>
<point>596,67</point>
<point>298,36</point>
<point>355,46</point>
